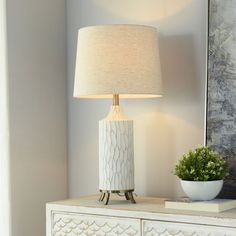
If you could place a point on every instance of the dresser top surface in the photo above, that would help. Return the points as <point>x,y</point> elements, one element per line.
<point>147,205</point>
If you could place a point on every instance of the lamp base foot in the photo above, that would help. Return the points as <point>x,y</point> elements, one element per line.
<point>105,195</point>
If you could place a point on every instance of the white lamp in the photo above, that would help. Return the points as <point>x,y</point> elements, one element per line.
<point>117,61</point>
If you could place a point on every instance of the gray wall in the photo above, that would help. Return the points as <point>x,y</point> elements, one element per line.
<point>164,128</point>
<point>37,96</point>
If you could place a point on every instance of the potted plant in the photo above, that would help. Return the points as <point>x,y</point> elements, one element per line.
<point>202,173</point>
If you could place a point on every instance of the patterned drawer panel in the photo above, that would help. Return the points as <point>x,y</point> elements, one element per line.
<point>156,228</point>
<point>88,225</point>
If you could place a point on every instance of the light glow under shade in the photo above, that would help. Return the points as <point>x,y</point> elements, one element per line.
<point>126,96</point>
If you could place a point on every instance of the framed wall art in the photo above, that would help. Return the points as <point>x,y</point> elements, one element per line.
<point>221,87</point>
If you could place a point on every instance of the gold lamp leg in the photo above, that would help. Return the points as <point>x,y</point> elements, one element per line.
<point>105,195</point>
<point>101,197</point>
<point>127,196</point>
<point>131,197</point>
<point>107,199</point>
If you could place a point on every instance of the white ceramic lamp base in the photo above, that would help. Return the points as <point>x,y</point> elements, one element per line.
<point>116,153</point>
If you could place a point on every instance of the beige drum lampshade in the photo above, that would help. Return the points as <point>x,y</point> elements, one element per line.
<point>117,59</point>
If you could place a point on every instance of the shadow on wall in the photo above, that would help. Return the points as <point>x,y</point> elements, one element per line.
<point>179,69</point>
<point>159,141</point>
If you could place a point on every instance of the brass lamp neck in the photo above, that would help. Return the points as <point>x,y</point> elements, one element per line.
<point>116,101</point>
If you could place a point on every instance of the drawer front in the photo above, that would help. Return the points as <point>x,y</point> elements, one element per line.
<point>69,224</point>
<point>156,228</point>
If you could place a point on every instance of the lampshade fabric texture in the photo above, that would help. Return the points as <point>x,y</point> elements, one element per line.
<point>117,59</point>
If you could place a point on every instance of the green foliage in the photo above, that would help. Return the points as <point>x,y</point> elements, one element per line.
<point>201,165</point>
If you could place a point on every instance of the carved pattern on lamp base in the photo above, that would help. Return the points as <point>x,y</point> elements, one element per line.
<point>116,155</point>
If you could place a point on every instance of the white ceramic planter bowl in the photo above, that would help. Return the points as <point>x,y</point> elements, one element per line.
<point>202,190</point>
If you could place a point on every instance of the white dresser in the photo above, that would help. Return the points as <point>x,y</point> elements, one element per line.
<point>86,216</point>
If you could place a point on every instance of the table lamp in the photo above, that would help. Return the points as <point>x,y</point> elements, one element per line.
<point>117,61</point>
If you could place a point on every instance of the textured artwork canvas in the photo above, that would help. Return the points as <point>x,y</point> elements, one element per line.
<point>221,105</point>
